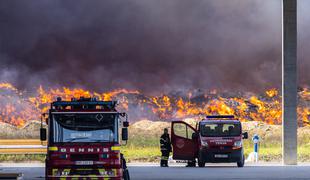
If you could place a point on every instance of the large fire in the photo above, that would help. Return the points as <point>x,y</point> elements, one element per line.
<point>17,108</point>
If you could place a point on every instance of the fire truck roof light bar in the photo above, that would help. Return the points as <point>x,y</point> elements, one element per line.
<point>221,117</point>
<point>85,112</point>
<point>68,103</point>
<point>108,104</point>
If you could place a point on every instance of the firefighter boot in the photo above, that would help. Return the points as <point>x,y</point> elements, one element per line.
<point>161,163</point>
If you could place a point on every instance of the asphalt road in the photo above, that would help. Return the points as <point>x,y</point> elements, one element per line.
<point>179,172</point>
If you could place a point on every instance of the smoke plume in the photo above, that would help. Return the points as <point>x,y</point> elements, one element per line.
<point>152,46</point>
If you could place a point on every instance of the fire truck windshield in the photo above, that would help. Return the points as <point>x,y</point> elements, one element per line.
<point>84,127</point>
<point>220,129</point>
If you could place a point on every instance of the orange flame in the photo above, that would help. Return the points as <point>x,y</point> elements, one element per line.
<point>7,86</point>
<point>17,109</point>
<point>272,93</point>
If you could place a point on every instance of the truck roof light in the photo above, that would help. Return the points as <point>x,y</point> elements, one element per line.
<point>221,117</point>
<point>107,103</point>
<point>84,104</point>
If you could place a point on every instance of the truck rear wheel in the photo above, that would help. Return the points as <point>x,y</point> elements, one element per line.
<point>241,163</point>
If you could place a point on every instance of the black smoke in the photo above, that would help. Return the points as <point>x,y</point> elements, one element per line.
<point>149,45</point>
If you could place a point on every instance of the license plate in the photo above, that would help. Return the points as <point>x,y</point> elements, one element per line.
<point>84,162</point>
<point>221,155</point>
<point>181,161</point>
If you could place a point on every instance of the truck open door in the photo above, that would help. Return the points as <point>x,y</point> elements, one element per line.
<point>185,145</point>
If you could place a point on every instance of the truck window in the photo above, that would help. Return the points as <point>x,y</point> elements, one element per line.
<point>96,127</point>
<point>182,130</point>
<point>220,129</point>
<point>190,132</point>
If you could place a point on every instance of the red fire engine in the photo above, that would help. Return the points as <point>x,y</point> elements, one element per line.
<point>216,139</point>
<point>84,139</point>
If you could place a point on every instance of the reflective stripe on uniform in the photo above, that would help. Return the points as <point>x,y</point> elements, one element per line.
<point>164,158</point>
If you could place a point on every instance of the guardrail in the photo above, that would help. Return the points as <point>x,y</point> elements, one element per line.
<point>22,146</point>
<point>17,176</point>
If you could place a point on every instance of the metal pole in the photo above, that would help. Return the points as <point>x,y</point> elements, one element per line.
<point>289,82</point>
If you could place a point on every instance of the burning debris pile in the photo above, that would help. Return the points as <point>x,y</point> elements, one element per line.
<point>16,107</point>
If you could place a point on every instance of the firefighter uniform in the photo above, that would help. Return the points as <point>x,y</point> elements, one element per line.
<point>165,148</point>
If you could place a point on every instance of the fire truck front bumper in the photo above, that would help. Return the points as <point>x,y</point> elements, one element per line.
<point>83,173</point>
<point>221,156</point>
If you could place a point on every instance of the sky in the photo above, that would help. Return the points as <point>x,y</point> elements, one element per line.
<point>154,46</point>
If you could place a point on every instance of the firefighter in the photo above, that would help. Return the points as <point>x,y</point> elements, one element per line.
<point>165,148</point>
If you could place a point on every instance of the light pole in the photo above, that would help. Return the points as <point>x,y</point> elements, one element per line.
<point>289,81</point>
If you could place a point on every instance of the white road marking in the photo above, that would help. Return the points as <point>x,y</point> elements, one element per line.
<point>22,147</point>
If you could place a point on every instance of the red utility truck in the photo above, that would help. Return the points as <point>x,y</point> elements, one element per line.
<point>84,139</point>
<point>216,139</point>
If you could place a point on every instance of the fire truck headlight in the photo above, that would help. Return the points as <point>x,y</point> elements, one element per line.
<point>204,144</point>
<point>107,172</point>
<point>65,173</point>
<point>56,172</point>
<point>104,156</point>
<point>238,144</point>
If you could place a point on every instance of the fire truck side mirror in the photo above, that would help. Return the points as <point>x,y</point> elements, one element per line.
<point>126,124</point>
<point>195,135</point>
<point>124,134</point>
<point>245,135</point>
<point>43,134</point>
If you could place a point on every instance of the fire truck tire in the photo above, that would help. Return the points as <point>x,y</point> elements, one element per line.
<point>126,175</point>
<point>191,163</point>
<point>241,163</point>
<point>201,163</point>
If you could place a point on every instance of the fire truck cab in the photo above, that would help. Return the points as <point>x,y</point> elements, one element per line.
<point>216,139</point>
<point>84,139</point>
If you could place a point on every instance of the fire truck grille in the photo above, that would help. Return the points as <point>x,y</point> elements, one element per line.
<point>84,172</point>
<point>222,148</point>
<point>84,157</point>
<point>227,147</point>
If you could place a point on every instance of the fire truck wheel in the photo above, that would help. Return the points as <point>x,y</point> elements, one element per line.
<point>241,163</point>
<point>191,163</point>
<point>201,163</point>
<point>126,175</point>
